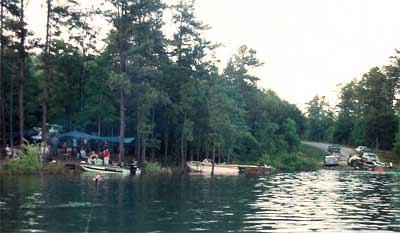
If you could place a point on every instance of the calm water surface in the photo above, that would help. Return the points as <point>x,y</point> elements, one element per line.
<point>325,201</point>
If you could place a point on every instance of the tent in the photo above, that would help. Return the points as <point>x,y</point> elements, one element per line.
<point>82,135</point>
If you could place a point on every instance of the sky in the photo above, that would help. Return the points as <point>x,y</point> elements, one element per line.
<point>309,47</point>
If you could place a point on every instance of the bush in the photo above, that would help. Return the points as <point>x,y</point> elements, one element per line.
<point>264,159</point>
<point>312,152</point>
<point>152,168</point>
<point>295,162</point>
<point>55,169</point>
<point>28,163</point>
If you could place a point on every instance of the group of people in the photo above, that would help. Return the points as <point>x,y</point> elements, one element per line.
<point>94,157</point>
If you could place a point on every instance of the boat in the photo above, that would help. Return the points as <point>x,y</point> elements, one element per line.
<point>253,169</point>
<point>109,169</point>
<point>206,166</point>
<point>225,169</point>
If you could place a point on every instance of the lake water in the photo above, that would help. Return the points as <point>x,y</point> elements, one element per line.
<point>324,201</point>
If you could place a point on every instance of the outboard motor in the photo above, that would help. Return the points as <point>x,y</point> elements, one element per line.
<point>133,167</point>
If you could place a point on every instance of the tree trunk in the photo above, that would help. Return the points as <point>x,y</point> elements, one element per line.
<point>185,149</point>
<point>11,117</point>
<point>2,91</point>
<point>143,157</point>
<point>213,157</point>
<point>138,134</point>
<point>219,156</point>
<point>46,75</point>
<point>191,153</point>
<point>82,78</point>
<point>21,74</point>
<point>183,143</point>
<point>122,125</point>
<point>166,141</point>
<point>153,149</point>
<point>98,126</point>
<point>206,148</point>
<point>198,152</point>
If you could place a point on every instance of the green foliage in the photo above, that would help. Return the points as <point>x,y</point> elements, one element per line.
<point>320,120</point>
<point>151,168</point>
<point>307,159</point>
<point>55,169</point>
<point>312,152</point>
<point>265,159</point>
<point>167,93</point>
<point>367,109</point>
<point>295,162</point>
<point>396,145</point>
<point>291,135</point>
<point>27,163</point>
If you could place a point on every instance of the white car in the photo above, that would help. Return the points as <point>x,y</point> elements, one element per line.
<point>331,160</point>
<point>361,149</point>
<point>370,157</point>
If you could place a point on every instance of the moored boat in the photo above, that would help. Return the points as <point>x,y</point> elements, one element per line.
<point>206,167</point>
<point>253,169</point>
<point>226,169</point>
<point>109,169</point>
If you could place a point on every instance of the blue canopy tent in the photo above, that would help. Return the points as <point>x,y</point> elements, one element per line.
<point>81,135</point>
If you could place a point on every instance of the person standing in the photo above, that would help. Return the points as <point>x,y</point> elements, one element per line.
<point>106,156</point>
<point>74,146</point>
<point>93,158</point>
<point>8,151</point>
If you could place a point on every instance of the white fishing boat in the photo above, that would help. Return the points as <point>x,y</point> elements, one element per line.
<point>109,169</point>
<point>206,166</point>
<point>226,169</point>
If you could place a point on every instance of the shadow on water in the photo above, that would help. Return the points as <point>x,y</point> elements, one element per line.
<point>325,201</point>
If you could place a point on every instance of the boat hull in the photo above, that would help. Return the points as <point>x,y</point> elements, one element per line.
<point>205,167</point>
<point>107,169</point>
<point>219,169</point>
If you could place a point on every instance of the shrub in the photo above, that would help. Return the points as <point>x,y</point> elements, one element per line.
<point>55,169</point>
<point>264,159</point>
<point>152,167</point>
<point>295,162</point>
<point>28,163</point>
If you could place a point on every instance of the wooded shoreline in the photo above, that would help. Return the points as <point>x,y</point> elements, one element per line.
<point>166,91</point>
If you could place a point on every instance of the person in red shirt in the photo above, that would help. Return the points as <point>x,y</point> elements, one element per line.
<point>106,155</point>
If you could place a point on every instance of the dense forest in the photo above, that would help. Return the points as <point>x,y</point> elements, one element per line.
<point>163,89</point>
<point>367,113</point>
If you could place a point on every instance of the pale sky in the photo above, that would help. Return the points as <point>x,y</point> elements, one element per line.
<point>308,46</point>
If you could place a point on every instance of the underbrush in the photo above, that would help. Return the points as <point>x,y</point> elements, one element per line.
<point>307,159</point>
<point>55,169</point>
<point>150,168</point>
<point>295,162</point>
<point>27,163</point>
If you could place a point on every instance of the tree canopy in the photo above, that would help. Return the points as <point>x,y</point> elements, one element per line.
<point>165,91</point>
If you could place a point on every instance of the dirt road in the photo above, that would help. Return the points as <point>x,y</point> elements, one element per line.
<point>345,151</point>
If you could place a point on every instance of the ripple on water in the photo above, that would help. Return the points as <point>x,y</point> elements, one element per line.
<point>75,205</point>
<point>326,201</point>
<point>323,202</point>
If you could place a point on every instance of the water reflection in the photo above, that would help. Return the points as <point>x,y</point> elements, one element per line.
<point>325,201</point>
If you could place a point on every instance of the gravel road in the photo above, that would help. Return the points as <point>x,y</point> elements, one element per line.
<point>345,151</point>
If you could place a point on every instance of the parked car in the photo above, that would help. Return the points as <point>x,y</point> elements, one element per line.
<point>370,157</point>
<point>331,160</point>
<point>362,149</point>
<point>334,149</point>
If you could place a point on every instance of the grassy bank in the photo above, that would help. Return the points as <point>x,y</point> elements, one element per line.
<point>28,163</point>
<point>312,152</point>
<point>307,158</point>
